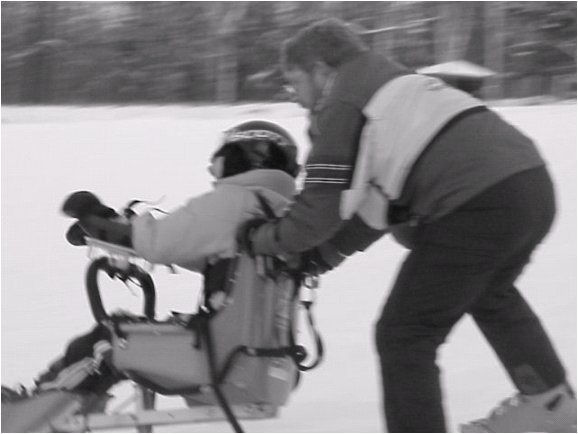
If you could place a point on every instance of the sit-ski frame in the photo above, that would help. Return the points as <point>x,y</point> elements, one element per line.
<point>145,417</point>
<point>119,256</point>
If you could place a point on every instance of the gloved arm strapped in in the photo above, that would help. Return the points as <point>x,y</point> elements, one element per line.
<point>95,220</point>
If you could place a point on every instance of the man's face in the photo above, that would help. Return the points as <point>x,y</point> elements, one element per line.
<point>306,86</point>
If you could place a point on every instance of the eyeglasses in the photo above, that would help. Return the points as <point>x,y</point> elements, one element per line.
<point>289,89</point>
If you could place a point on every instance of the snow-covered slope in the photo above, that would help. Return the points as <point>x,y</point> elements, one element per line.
<point>155,152</point>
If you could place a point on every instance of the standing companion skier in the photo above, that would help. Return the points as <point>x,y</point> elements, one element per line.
<point>256,162</point>
<point>467,193</point>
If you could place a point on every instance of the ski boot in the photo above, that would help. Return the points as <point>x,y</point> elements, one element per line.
<point>551,411</point>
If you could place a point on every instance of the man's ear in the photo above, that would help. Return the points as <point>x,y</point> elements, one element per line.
<point>322,72</point>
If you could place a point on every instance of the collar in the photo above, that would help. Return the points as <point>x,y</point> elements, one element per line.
<point>325,92</point>
<point>270,179</point>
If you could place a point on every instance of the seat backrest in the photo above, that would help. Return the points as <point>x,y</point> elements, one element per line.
<point>248,308</point>
<point>254,301</point>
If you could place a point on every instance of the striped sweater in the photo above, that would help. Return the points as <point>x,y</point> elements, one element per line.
<point>464,158</point>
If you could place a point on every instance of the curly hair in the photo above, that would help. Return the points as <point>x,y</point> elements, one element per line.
<point>331,41</point>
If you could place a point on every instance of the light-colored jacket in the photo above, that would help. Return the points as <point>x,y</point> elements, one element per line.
<point>205,228</point>
<point>403,116</point>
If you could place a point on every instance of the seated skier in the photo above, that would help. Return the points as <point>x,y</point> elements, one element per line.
<point>256,164</point>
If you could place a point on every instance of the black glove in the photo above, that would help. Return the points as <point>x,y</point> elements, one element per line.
<point>245,232</point>
<point>313,263</point>
<point>75,235</point>
<point>111,230</point>
<point>321,259</point>
<point>83,204</point>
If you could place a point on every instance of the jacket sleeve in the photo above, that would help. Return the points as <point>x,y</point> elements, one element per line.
<point>197,232</point>
<point>354,236</point>
<point>314,216</point>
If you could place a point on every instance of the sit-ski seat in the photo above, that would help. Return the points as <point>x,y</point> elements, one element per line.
<point>245,321</point>
<point>237,352</point>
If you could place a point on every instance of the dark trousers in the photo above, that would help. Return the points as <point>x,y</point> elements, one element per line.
<point>77,349</point>
<point>467,262</point>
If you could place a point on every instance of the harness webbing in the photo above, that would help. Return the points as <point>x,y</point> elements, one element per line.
<point>221,278</point>
<point>297,352</point>
<point>266,207</point>
<point>215,380</point>
<point>316,336</point>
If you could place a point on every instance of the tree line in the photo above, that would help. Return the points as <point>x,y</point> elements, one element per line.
<point>180,52</point>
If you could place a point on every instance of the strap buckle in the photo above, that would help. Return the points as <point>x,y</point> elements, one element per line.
<point>311,281</point>
<point>310,299</point>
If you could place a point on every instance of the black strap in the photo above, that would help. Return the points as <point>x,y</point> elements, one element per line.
<point>316,335</point>
<point>297,353</point>
<point>300,353</point>
<point>266,207</point>
<point>293,351</point>
<point>206,333</point>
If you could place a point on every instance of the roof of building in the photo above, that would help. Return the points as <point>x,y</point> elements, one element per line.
<point>457,69</point>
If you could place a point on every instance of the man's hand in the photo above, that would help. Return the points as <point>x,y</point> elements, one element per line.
<point>257,236</point>
<point>321,259</point>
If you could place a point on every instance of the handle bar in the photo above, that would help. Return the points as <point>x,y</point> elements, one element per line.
<point>132,271</point>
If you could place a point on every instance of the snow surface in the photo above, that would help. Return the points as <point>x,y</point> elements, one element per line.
<point>123,153</point>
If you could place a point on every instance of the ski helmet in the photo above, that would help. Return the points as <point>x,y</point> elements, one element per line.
<point>258,144</point>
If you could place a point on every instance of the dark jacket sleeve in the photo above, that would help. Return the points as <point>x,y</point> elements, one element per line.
<point>355,236</point>
<point>314,216</point>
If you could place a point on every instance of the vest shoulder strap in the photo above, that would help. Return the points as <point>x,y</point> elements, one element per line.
<point>403,116</point>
